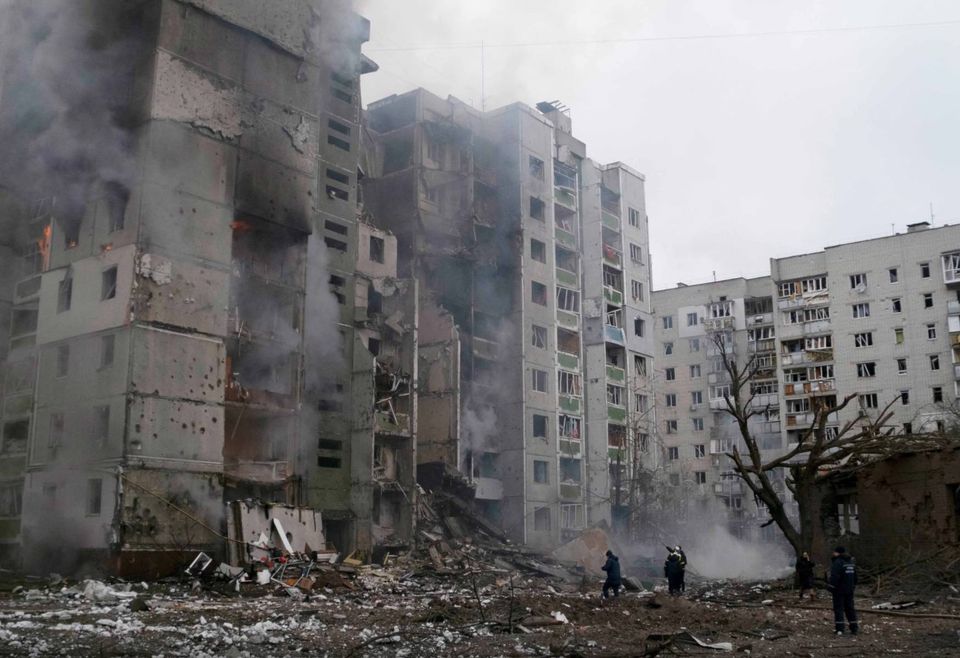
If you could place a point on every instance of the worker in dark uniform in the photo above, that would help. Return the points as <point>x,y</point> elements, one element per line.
<point>612,567</point>
<point>683,567</point>
<point>673,571</point>
<point>841,581</point>
<point>805,575</point>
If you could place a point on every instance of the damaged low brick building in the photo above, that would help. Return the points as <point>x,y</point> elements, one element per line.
<point>893,511</point>
<point>177,338</point>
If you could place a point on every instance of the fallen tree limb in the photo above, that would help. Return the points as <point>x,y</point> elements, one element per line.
<point>886,613</point>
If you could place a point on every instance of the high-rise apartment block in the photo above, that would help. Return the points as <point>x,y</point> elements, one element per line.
<point>874,320</point>
<point>522,247</point>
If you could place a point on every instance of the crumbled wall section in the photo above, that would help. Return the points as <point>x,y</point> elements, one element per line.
<point>184,93</point>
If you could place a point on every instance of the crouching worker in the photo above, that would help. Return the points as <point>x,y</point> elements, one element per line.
<point>841,581</point>
<point>673,571</point>
<point>612,567</point>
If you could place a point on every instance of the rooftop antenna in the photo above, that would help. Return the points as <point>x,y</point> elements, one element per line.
<point>714,276</point>
<point>931,213</point>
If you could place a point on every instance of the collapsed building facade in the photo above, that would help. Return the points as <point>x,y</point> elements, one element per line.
<point>522,248</point>
<point>177,340</point>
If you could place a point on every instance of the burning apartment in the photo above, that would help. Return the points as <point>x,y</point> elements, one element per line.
<point>517,241</point>
<point>199,313</point>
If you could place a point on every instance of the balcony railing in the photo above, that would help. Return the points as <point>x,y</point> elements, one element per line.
<point>565,196</point>
<point>570,490</point>
<point>616,374</point>
<point>612,256</point>
<point>956,371</point>
<point>613,295</point>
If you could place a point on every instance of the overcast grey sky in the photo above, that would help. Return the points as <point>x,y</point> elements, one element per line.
<point>753,146</point>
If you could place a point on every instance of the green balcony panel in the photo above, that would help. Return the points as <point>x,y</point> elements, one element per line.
<point>613,296</point>
<point>610,221</point>
<point>570,320</point>
<point>566,239</point>
<point>570,491</point>
<point>568,278</point>
<point>570,448</point>
<point>616,414</point>
<point>568,361</point>
<point>616,374</point>
<point>570,404</point>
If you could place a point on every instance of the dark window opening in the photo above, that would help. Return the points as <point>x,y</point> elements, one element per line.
<point>117,196</point>
<point>108,283</point>
<point>339,143</point>
<point>540,426</point>
<point>339,127</point>
<point>330,444</point>
<point>64,295</point>
<point>345,80</point>
<point>537,208</point>
<point>376,249</point>
<point>94,496</point>
<point>336,193</point>
<point>333,174</point>
<point>335,244</point>
<point>374,301</point>
<point>329,462</point>
<point>334,227</point>
<point>373,344</point>
<point>341,95</point>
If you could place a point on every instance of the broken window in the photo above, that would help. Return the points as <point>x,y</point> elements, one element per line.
<point>64,294</point>
<point>670,374</point>
<point>569,427</point>
<point>668,348</point>
<point>538,293</point>
<point>640,364</point>
<point>615,395</point>
<point>538,336</point>
<point>696,398</point>
<point>108,283</point>
<point>101,426</point>
<point>934,362</point>
<point>117,195</point>
<point>568,341</point>
<point>616,436</point>
<point>673,453</point>
<point>536,167</point>
<point>901,366</point>
<point>335,192</point>
<point>94,496</point>
<point>636,290</point>
<point>567,260</point>
<point>373,345</point>
<point>541,472</point>
<point>671,427</point>
<point>569,383</point>
<point>867,369</point>
<point>374,301</point>
<point>869,401</point>
<point>537,208</point>
<point>541,519</point>
<point>376,249</point>
<point>670,399</point>
<point>695,371</point>
<point>63,360</point>
<point>570,471</point>
<point>334,140</point>
<point>538,251</point>
<point>699,451</point>
<point>861,310</point>
<point>634,217</point>
<point>894,275</point>
<point>636,253</point>
<point>864,339</point>
<point>638,326</point>
<point>931,332</point>
<point>928,300</point>
<point>342,87</point>
<point>568,300</point>
<point>924,270</point>
<point>905,397</point>
<point>11,500</point>
<point>55,438</point>
<point>538,380</point>
<point>329,462</point>
<point>898,335</point>
<point>668,322</point>
<point>15,434</point>
<point>106,351</point>
<point>858,281</point>
<point>539,426</point>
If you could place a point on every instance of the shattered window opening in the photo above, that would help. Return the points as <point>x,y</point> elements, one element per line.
<point>64,294</point>
<point>539,426</point>
<point>377,249</point>
<point>108,283</point>
<point>539,336</point>
<point>536,167</point>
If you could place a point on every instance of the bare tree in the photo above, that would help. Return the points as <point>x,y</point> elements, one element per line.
<point>819,448</point>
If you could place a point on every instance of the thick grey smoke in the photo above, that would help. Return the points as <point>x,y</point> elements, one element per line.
<point>66,105</point>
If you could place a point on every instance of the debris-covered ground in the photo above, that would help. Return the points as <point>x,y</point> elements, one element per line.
<point>392,612</point>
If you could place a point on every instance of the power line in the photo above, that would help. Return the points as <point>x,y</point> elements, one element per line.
<point>682,37</point>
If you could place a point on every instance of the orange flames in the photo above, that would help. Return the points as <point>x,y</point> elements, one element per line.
<point>241,225</point>
<point>43,246</point>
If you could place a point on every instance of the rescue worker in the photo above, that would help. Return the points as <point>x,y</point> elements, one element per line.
<point>673,571</point>
<point>805,575</point>
<point>612,567</point>
<point>683,566</point>
<point>841,581</point>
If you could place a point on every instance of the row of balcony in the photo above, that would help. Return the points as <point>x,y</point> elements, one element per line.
<point>816,387</point>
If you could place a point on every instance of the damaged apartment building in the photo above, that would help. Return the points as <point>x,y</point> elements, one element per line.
<point>215,319</point>
<point>534,317</point>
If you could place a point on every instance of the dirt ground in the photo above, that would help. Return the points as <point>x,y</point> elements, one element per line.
<point>404,616</point>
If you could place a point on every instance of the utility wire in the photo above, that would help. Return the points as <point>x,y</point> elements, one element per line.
<point>681,37</point>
